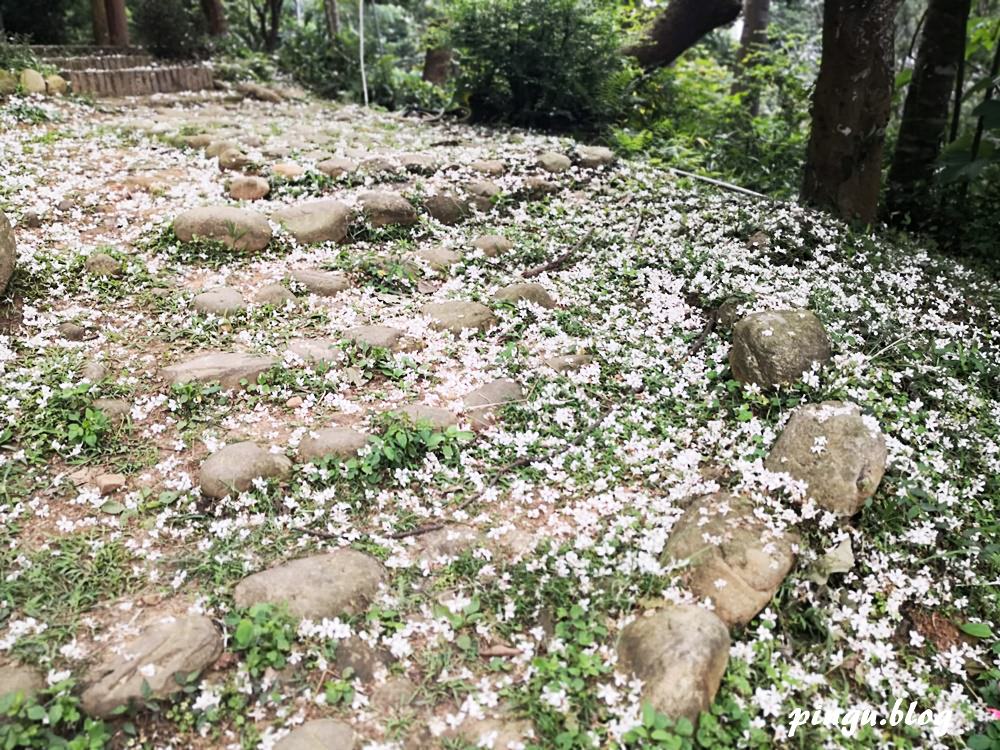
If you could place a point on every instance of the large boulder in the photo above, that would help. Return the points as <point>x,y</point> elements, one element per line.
<point>316,221</point>
<point>237,228</point>
<point>836,451</point>
<point>320,734</point>
<point>235,467</point>
<point>387,209</point>
<point>733,558</point>
<point>320,586</point>
<point>456,316</point>
<point>777,347</point>
<point>8,251</point>
<point>147,664</point>
<point>228,369</point>
<point>680,653</point>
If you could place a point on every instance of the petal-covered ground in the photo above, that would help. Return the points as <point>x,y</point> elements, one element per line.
<point>486,563</point>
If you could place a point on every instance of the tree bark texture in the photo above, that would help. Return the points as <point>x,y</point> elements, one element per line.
<point>756,16</point>
<point>215,15</point>
<point>437,65</point>
<point>332,14</point>
<point>99,22</point>
<point>117,22</point>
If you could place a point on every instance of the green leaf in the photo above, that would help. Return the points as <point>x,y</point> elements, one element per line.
<point>113,507</point>
<point>977,629</point>
<point>244,632</point>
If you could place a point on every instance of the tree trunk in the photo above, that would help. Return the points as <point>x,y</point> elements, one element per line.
<point>99,22</point>
<point>117,22</point>
<point>332,13</point>
<point>925,114</point>
<point>274,28</point>
<point>679,27</point>
<point>437,65</point>
<point>850,110</point>
<point>215,15</point>
<point>756,16</point>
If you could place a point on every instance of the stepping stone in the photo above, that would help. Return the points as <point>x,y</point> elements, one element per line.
<point>115,409</point>
<point>836,451</point>
<point>223,300</point>
<point>330,585</point>
<point>226,368</point>
<point>496,732</point>
<point>492,167</point>
<point>393,694</point>
<point>201,141</point>
<point>387,209</point>
<point>385,337</point>
<point>108,484</point>
<point>439,258</point>
<point>680,653</point>
<point>56,85</point>
<point>456,316</point>
<point>527,291</point>
<point>325,220</point>
<point>734,559</point>
<point>554,162</point>
<point>492,245</point>
<point>482,193</point>
<point>16,678</point>
<point>565,362</point>
<point>8,251</point>
<point>288,170</point>
<point>593,157</point>
<point>480,404</point>
<point>166,646</point>
<point>377,165</point>
<point>320,734</point>
<point>446,543</point>
<point>313,351</point>
<point>322,283</point>
<point>337,167</point>
<point>233,159</point>
<point>93,371</point>
<point>777,347</point>
<point>32,81</point>
<point>274,294</point>
<point>236,228</point>
<point>342,442</point>
<point>537,188</point>
<point>248,188</point>
<point>71,331</point>
<point>233,468</point>
<point>356,654</point>
<point>418,163</point>
<point>447,208</point>
<point>438,418</point>
<point>102,264</point>
<point>216,148</point>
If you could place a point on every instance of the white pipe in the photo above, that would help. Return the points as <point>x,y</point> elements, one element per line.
<point>361,47</point>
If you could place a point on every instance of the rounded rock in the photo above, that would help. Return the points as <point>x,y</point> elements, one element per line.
<point>236,466</point>
<point>341,442</point>
<point>237,228</point>
<point>777,347</point>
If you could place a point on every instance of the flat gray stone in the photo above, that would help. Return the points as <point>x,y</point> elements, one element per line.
<point>527,291</point>
<point>17,678</point>
<point>322,283</point>
<point>274,294</point>
<point>480,403</point>
<point>492,167</point>
<point>225,368</point>
<point>313,351</point>
<point>492,245</point>
<point>680,653</point>
<point>593,157</point>
<point>554,162</point>
<point>456,316</point>
<point>237,228</point>
<point>776,347</point>
<point>439,258</point>
<point>836,451</point>
<point>329,585</point>
<point>567,362</point>
<point>223,300</point>
<point>233,468</point>
<point>341,442</point>
<point>385,337</point>
<point>316,221</point>
<point>387,209</point>
<point>166,646</point>
<point>320,734</point>
<point>439,419</point>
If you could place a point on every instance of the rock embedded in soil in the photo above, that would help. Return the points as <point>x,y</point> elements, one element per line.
<point>496,732</point>
<point>492,245</point>
<point>680,653</point>
<point>777,347</point>
<point>480,403</point>
<point>215,148</point>
<point>492,167</point>
<point>32,81</point>
<point>325,220</point>
<point>418,163</point>
<point>445,543</point>
<point>226,368</point>
<point>319,734</point>
<point>336,167</point>
<point>223,300</point>
<point>166,646</point>
<point>537,188</point>
<point>383,209</point>
<point>330,585</point>
<point>456,316</point>
<point>288,170</point>
<point>385,337</point>
<point>236,228</point>
<point>526,291</point>
<point>734,559</point>
<point>312,351</point>
<point>438,418</point>
<point>56,85</point>
<point>340,442</point>
<point>447,208</point>
<point>439,258</point>
<point>836,451</point>
<point>554,162</point>
<point>71,331</point>
<point>322,283</point>
<point>357,654</point>
<point>235,467</point>
<point>274,294</point>
<point>481,193</point>
<point>115,409</point>
<point>17,678</point>
<point>567,362</point>
<point>102,264</point>
<point>592,157</point>
<point>108,484</point>
<point>393,694</point>
<point>233,159</point>
<point>248,188</point>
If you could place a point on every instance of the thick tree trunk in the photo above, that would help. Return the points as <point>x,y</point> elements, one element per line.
<point>274,28</point>
<point>851,106</point>
<point>117,22</point>
<point>332,13</point>
<point>925,114</point>
<point>679,27</point>
<point>215,15</point>
<point>99,22</point>
<point>437,65</point>
<point>756,16</point>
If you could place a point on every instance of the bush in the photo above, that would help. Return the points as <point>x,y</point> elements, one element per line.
<point>172,29</point>
<point>537,63</point>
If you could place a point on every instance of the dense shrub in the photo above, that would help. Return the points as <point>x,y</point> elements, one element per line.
<point>542,63</point>
<point>172,29</point>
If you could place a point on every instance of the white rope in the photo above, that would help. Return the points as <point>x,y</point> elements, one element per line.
<point>361,47</point>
